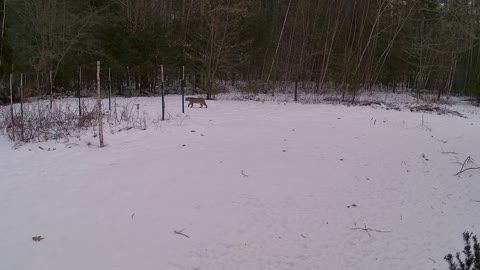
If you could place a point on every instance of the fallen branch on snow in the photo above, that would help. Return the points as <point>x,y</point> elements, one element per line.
<point>368,230</point>
<point>468,160</point>
<point>184,119</point>
<point>453,153</point>
<point>181,233</point>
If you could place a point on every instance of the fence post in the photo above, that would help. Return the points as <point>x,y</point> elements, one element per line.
<point>51,90</point>
<point>183,89</point>
<point>128,75</point>
<point>21,104</point>
<point>11,107</point>
<point>39,92</point>
<point>155,79</point>
<point>296,90</point>
<point>109,91</point>
<point>21,95</point>
<point>79,92</point>
<point>163,93</point>
<point>99,104</point>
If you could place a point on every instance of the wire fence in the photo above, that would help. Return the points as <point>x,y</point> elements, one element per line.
<point>23,121</point>
<point>81,82</point>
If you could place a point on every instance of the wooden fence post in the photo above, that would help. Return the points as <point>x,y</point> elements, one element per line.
<point>80,92</point>
<point>51,90</point>
<point>21,105</point>
<point>183,89</point>
<point>163,94</point>
<point>11,107</point>
<point>109,90</point>
<point>99,105</point>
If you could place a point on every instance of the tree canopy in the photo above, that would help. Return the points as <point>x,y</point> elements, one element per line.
<point>347,44</point>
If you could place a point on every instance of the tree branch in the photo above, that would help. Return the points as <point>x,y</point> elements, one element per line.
<point>181,233</point>
<point>463,169</point>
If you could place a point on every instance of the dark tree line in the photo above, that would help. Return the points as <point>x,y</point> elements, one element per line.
<point>345,45</point>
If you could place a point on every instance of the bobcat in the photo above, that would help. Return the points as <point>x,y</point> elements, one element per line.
<point>192,100</point>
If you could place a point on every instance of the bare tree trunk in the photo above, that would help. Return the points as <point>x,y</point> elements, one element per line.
<point>287,69</point>
<point>386,52</point>
<point>278,46</point>
<point>330,49</point>
<point>3,30</point>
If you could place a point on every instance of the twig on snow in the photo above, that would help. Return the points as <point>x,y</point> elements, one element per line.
<point>476,168</point>
<point>181,233</point>
<point>184,119</point>
<point>368,230</point>
<point>463,169</point>
<point>468,159</point>
<point>453,153</point>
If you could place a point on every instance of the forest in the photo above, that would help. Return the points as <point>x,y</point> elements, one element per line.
<point>338,45</point>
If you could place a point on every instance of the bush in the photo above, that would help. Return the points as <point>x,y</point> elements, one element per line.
<point>40,123</point>
<point>471,254</point>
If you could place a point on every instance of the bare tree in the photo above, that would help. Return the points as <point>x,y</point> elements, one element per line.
<point>52,31</point>
<point>216,43</point>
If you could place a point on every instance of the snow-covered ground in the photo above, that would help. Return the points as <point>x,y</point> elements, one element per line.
<point>253,186</point>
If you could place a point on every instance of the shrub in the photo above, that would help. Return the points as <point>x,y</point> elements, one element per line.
<point>40,123</point>
<point>471,254</point>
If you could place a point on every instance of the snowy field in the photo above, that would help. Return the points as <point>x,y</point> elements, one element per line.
<point>246,185</point>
